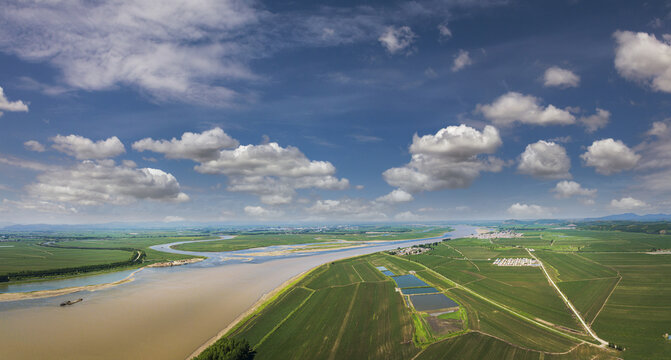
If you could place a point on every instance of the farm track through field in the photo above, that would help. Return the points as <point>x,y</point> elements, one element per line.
<point>506,308</point>
<point>336,344</point>
<point>604,303</point>
<point>568,303</point>
<point>462,254</point>
<point>287,317</point>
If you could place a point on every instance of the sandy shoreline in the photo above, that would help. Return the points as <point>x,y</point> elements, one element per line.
<point>175,263</point>
<point>40,294</point>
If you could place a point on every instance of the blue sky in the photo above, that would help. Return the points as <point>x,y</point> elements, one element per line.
<point>307,111</point>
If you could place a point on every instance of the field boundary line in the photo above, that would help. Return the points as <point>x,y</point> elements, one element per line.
<point>607,298</point>
<point>336,344</point>
<point>601,278</point>
<point>617,272</point>
<point>462,254</point>
<point>285,318</point>
<point>529,349</point>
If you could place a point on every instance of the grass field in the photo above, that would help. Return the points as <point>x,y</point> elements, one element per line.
<point>247,241</point>
<point>30,256</point>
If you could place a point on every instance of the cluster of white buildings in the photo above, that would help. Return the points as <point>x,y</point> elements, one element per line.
<point>516,262</point>
<point>508,234</point>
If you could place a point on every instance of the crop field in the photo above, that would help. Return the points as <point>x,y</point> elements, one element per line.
<point>588,296</point>
<point>523,288</point>
<point>480,346</point>
<point>571,266</point>
<point>366,319</point>
<point>508,312</point>
<point>492,320</point>
<point>526,289</point>
<point>137,242</point>
<point>27,255</point>
<point>247,241</point>
<point>638,312</point>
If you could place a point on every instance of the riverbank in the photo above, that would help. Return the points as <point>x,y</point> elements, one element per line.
<point>176,263</point>
<point>259,305</point>
<point>64,291</point>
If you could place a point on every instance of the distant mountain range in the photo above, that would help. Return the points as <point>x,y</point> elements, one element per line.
<point>632,217</point>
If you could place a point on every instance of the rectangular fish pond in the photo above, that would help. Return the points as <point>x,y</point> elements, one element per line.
<point>388,273</point>
<point>408,281</point>
<point>432,302</point>
<point>421,290</point>
<point>381,268</point>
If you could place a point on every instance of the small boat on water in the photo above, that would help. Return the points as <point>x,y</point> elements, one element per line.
<point>70,302</point>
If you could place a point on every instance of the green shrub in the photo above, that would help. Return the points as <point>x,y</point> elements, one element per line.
<point>228,349</point>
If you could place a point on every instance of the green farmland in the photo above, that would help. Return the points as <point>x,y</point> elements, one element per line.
<point>47,255</point>
<point>349,310</point>
<point>508,312</point>
<point>248,241</point>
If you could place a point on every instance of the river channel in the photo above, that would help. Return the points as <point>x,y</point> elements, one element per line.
<point>165,313</point>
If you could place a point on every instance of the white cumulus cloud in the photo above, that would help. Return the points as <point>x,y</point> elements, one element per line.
<point>514,107</point>
<point>83,148</point>
<point>396,39</point>
<point>395,197</point>
<point>444,31</point>
<point>268,170</point>
<point>545,159</point>
<point>627,203</point>
<point>610,156</point>
<point>6,105</point>
<point>462,60</point>
<point>261,212</point>
<point>644,58</point>
<point>104,182</point>
<point>34,145</point>
<point>567,189</point>
<point>526,211</point>
<point>447,160</point>
<point>556,76</point>
<point>595,122</point>
<point>350,209</point>
<point>195,146</point>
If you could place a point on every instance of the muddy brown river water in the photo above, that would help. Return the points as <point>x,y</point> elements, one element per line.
<point>166,313</point>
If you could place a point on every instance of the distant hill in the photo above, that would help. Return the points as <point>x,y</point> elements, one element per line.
<point>632,217</point>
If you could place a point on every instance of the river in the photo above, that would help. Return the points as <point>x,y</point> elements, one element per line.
<point>166,313</point>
